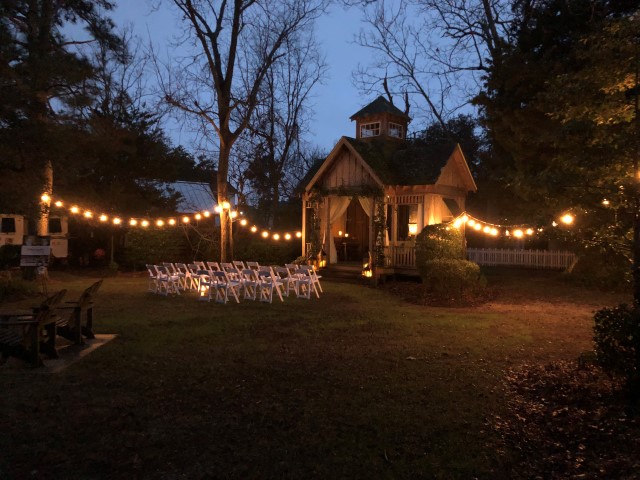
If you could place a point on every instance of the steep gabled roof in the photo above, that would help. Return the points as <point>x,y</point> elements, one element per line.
<point>403,164</point>
<point>399,163</point>
<point>379,105</point>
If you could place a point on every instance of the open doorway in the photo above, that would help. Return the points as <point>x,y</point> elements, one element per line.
<point>352,245</point>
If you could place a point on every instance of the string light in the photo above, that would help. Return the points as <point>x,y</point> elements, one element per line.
<point>494,230</point>
<point>45,198</point>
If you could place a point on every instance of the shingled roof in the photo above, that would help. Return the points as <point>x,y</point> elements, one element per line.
<point>403,163</point>
<point>379,105</point>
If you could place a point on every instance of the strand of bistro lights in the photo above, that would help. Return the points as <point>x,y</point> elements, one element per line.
<point>495,230</point>
<point>481,226</point>
<point>171,221</point>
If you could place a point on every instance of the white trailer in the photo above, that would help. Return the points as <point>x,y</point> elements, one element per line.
<point>13,229</point>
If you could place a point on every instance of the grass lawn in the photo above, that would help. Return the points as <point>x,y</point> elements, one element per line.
<point>357,384</point>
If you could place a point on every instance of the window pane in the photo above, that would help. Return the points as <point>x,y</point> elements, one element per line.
<point>8,225</point>
<point>55,225</point>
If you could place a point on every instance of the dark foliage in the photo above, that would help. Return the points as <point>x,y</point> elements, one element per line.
<point>617,341</point>
<point>568,422</point>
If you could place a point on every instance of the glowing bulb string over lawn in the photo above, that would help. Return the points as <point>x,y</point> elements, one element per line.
<point>495,230</point>
<point>167,221</point>
<point>514,231</point>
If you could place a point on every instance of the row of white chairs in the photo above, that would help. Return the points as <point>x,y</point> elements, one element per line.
<point>220,281</point>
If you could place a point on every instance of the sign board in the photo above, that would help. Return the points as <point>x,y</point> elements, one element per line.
<point>35,252</point>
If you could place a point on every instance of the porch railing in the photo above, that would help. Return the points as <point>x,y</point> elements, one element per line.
<point>400,256</point>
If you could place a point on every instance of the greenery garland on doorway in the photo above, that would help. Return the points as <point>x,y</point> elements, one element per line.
<point>379,229</point>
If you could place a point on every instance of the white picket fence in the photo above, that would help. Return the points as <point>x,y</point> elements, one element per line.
<point>551,259</point>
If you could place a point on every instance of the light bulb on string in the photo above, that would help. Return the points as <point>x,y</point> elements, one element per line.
<point>254,229</point>
<point>117,221</point>
<point>265,234</point>
<point>287,236</point>
<point>172,221</point>
<point>103,218</point>
<point>186,219</point>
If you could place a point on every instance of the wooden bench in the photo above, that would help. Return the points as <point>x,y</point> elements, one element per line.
<point>27,335</point>
<point>70,326</point>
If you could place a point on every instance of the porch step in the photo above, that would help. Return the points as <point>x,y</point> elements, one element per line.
<point>342,273</point>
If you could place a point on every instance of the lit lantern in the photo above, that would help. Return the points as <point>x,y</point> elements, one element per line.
<point>203,292</point>
<point>567,219</point>
<point>322,258</point>
<point>367,271</point>
<point>413,229</point>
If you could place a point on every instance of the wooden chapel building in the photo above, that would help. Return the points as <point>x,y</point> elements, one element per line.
<point>417,186</point>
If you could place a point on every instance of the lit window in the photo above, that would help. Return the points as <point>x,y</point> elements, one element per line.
<point>370,130</point>
<point>396,130</point>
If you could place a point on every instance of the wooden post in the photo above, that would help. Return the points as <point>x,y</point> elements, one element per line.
<point>327,226</point>
<point>304,223</point>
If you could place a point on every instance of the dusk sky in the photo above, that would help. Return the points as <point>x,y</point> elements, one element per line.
<point>335,101</point>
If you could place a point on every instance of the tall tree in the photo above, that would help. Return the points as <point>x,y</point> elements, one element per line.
<point>433,51</point>
<point>561,128</point>
<point>235,44</point>
<point>276,132</point>
<point>44,77</point>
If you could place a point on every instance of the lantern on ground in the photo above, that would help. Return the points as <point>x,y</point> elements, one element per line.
<point>367,271</point>
<point>322,258</point>
<point>203,292</point>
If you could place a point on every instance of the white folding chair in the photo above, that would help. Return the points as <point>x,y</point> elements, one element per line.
<point>307,271</point>
<point>224,266</point>
<point>213,266</point>
<point>249,283</point>
<point>194,276</point>
<point>288,281</point>
<point>268,284</point>
<point>206,284</point>
<point>200,265</point>
<point>224,285</point>
<point>185,275</point>
<point>175,272</point>
<point>167,282</point>
<point>253,265</point>
<point>239,264</point>
<point>153,285</point>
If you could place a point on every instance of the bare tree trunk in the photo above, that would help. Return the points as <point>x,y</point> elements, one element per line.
<point>221,179</point>
<point>43,220</point>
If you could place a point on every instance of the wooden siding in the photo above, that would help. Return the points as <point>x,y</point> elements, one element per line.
<point>347,171</point>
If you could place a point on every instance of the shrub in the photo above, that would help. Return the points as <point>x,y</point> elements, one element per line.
<point>617,342</point>
<point>452,277</point>
<point>437,242</point>
<point>9,256</point>
<point>605,271</point>
<point>13,288</point>
<point>155,245</point>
